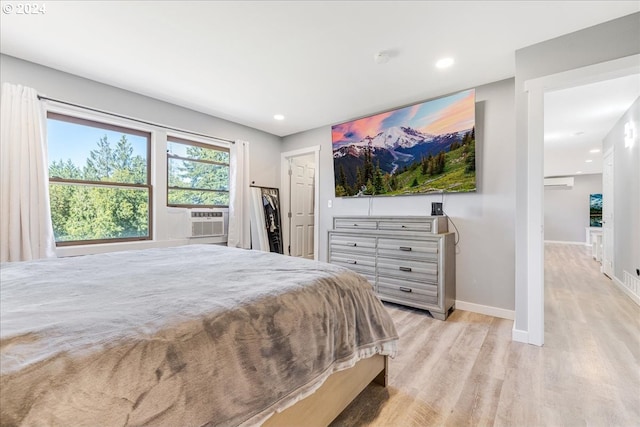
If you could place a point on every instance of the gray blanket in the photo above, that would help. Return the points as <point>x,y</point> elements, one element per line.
<point>189,336</point>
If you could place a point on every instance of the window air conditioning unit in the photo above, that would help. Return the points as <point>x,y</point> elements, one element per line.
<point>206,224</point>
<point>563,183</point>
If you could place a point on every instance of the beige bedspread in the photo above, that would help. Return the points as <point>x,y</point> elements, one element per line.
<point>189,336</point>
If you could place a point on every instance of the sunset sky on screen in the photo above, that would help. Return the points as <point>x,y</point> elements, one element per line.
<point>444,115</point>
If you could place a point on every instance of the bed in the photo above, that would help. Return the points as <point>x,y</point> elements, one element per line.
<point>191,336</point>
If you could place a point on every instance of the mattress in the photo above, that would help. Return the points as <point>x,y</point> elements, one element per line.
<point>194,335</point>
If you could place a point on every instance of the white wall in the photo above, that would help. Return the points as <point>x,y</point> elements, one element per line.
<point>605,42</point>
<point>485,219</point>
<point>168,222</point>
<point>626,197</point>
<point>566,211</point>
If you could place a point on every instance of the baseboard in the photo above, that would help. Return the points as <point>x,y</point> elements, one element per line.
<point>634,297</point>
<point>562,242</point>
<point>518,335</point>
<point>485,309</point>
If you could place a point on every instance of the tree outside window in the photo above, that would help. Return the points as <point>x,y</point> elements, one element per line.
<point>99,181</point>
<point>197,174</point>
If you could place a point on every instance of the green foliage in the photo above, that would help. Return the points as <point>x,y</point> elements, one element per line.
<point>378,184</point>
<point>445,171</point>
<point>471,159</point>
<point>342,178</point>
<point>369,188</point>
<point>95,210</point>
<point>340,191</point>
<point>190,180</point>
<point>92,212</point>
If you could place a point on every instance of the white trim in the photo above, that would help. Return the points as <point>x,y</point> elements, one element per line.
<point>535,224</point>
<point>199,139</point>
<point>535,159</point>
<point>635,298</point>
<point>518,335</point>
<point>486,309</point>
<point>284,191</point>
<point>95,116</point>
<point>563,242</point>
<point>301,152</point>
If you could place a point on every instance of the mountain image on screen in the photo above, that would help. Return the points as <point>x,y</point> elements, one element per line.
<point>404,159</point>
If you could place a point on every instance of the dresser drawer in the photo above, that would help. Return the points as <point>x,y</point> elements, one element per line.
<point>426,250</point>
<point>355,224</point>
<point>408,270</point>
<point>420,227</point>
<point>426,288</point>
<point>353,244</point>
<point>406,294</point>
<point>365,265</point>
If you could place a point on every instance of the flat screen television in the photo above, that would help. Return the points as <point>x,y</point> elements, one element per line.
<point>595,210</point>
<point>424,148</point>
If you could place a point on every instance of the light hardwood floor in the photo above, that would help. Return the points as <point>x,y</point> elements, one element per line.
<point>467,371</point>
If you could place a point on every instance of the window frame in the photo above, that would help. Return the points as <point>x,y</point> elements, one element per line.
<point>196,143</point>
<point>76,117</point>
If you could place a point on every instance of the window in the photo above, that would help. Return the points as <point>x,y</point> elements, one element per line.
<point>197,174</point>
<point>98,181</point>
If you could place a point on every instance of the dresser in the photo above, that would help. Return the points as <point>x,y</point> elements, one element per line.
<point>410,260</point>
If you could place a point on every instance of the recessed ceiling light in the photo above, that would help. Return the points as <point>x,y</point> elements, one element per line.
<point>595,150</point>
<point>578,171</point>
<point>278,117</point>
<point>445,63</point>
<point>578,133</point>
<point>588,161</point>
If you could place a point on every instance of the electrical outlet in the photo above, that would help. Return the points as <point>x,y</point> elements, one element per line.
<point>329,204</point>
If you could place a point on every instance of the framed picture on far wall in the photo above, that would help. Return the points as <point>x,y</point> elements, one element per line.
<point>423,148</point>
<point>595,210</point>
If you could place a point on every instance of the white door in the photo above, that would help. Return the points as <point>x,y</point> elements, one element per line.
<point>607,214</point>
<point>302,195</point>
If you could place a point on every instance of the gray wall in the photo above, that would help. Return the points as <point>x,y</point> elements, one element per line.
<point>605,42</point>
<point>169,223</point>
<point>485,219</point>
<point>566,211</point>
<point>265,147</point>
<point>626,195</point>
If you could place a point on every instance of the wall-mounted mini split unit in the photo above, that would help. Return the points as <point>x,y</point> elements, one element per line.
<point>562,183</point>
<point>205,223</point>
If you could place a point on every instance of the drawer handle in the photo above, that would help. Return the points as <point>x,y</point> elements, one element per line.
<point>352,262</point>
<point>405,268</point>
<point>352,244</point>
<point>406,289</point>
<point>355,225</point>
<point>405,248</point>
<point>403,226</point>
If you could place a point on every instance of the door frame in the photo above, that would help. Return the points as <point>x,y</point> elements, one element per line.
<point>286,196</point>
<point>609,200</point>
<point>534,243</point>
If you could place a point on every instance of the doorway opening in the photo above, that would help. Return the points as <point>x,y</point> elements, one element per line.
<point>300,201</point>
<point>536,89</point>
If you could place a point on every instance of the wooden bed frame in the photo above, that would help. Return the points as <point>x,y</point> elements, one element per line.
<point>323,406</point>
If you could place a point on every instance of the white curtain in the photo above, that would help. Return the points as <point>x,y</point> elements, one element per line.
<point>26,232</point>
<point>239,232</point>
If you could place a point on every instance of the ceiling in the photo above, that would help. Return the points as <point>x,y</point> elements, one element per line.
<point>312,61</point>
<point>576,121</point>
